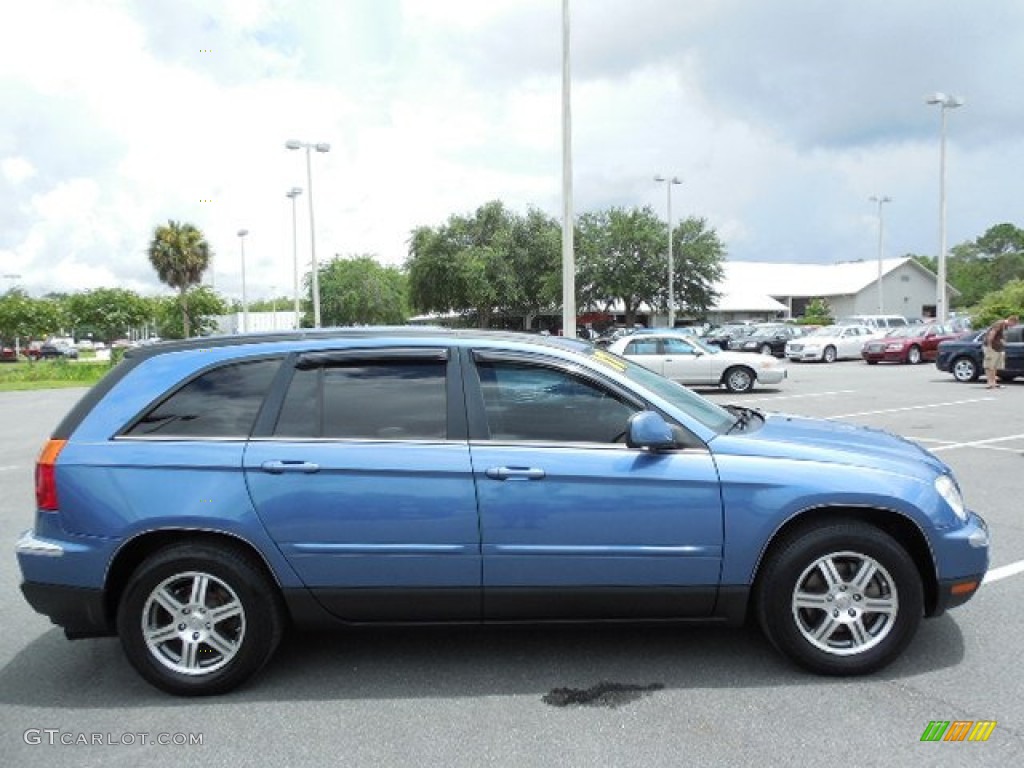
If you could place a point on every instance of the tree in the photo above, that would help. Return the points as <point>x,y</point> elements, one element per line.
<point>697,254</point>
<point>1009,300</point>
<point>108,313</point>
<point>278,304</point>
<point>621,256</point>
<point>197,309</point>
<point>357,290</point>
<point>180,254</point>
<point>535,256</point>
<point>22,317</point>
<point>465,265</point>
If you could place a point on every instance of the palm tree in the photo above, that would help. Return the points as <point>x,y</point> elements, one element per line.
<point>180,254</point>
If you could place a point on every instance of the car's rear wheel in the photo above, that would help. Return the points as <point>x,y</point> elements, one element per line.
<point>197,619</point>
<point>914,355</point>
<point>738,379</point>
<point>829,355</point>
<point>841,599</point>
<point>965,369</point>
<point>766,349</point>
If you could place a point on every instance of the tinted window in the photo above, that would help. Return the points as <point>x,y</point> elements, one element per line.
<point>222,402</point>
<point>642,347</point>
<point>525,402</point>
<point>677,347</point>
<point>398,400</point>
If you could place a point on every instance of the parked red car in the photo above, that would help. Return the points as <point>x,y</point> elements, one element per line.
<point>909,344</point>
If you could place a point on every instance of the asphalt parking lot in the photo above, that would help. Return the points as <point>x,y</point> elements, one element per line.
<point>572,696</point>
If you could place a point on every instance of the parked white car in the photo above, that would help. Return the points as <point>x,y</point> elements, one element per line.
<point>831,343</point>
<point>688,360</point>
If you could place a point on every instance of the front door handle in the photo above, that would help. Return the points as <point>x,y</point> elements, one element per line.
<point>515,473</point>
<point>280,467</point>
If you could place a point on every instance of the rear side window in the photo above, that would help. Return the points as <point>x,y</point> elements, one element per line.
<point>222,402</point>
<point>387,400</point>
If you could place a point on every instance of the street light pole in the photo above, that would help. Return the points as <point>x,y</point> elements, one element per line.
<point>944,101</point>
<point>568,253</point>
<point>293,193</point>
<point>319,147</point>
<point>881,229</point>
<point>671,260</point>
<point>245,302</point>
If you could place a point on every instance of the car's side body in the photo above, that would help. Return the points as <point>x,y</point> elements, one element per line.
<point>830,343</point>
<point>689,361</point>
<point>910,344</point>
<point>400,475</point>
<point>963,356</point>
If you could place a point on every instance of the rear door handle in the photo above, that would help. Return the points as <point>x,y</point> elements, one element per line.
<point>280,467</point>
<point>515,473</point>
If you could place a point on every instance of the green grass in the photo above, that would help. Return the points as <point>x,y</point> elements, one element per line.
<point>47,374</point>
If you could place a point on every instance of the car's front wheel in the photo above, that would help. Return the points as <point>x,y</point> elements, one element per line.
<point>198,619</point>
<point>739,379</point>
<point>829,355</point>
<point>914,355</point>
<point>840,599</point>
<point>766,349</point>
<point>965,370</point>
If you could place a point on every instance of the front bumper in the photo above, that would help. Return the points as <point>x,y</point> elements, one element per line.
<point>963,557</point>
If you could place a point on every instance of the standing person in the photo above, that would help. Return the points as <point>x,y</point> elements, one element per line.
<point>995,349</point>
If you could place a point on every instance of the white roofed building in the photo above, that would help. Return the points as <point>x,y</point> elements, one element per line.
<point>753,290</point>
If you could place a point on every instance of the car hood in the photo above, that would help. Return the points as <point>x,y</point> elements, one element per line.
<point>820,440</point>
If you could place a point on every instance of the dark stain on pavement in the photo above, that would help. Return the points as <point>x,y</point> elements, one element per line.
<point>604,694</point>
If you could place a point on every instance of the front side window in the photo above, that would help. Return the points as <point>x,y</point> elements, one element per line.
<point>532,402</point>
<point>387,400</point>
<point>677,347</point>
<point>222,402</point>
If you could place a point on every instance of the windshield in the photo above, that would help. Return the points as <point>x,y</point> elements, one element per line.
<point>703,410</point>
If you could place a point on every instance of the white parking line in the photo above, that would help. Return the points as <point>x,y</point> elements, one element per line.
<point>981,443</point>
<point>1003,571</point>
<point>912,408</point>
<point>9,467</point>
<point>799,397</point>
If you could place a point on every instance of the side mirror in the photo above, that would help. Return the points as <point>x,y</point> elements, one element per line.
<point>648,430</point>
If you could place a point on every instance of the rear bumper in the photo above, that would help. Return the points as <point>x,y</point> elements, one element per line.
<point>80,611</point>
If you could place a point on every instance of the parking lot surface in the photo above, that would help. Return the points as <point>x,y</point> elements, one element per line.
<point>567,696</point>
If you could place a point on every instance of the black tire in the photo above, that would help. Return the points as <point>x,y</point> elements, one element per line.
<point>965,370</point>
<point>739,379</point>
<point>1006,378</point>
<point>766,349</point>
<point>914,356</point>
<point>825,627</point>
<point>190,650</point>
<point>871,362</point>
<point>829,355</point>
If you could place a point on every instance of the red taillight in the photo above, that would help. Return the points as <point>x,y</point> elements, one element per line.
<point>46,480</point>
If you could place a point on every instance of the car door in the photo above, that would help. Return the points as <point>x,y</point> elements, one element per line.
<point>686,363</point>
<point>645,351</point>
<point>575,525</point>
<point>1015,350</point>
<point>851,342</point>
<point>361,473</point>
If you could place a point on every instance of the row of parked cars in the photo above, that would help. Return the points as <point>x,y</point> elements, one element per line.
<point>720,357</point>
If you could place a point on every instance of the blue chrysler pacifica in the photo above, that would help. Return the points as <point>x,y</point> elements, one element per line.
<point>207,494</point>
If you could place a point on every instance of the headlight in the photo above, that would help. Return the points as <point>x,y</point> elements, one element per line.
<point>947,489</point>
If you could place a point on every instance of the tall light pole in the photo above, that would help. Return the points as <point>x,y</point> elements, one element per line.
<point>293,193</point>
<point>671,261</point>
<point>944,101</point>
<point>881,200</point>
<point>568,255</point>
<point>245,302</point>
<point>319,147</point>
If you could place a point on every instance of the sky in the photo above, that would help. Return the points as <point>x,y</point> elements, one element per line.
<point>781,119</point>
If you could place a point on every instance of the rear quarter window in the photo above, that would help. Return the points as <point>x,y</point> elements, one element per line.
<point>222,402</point>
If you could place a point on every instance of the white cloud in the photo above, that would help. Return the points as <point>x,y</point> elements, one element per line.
<point>781,119</point>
